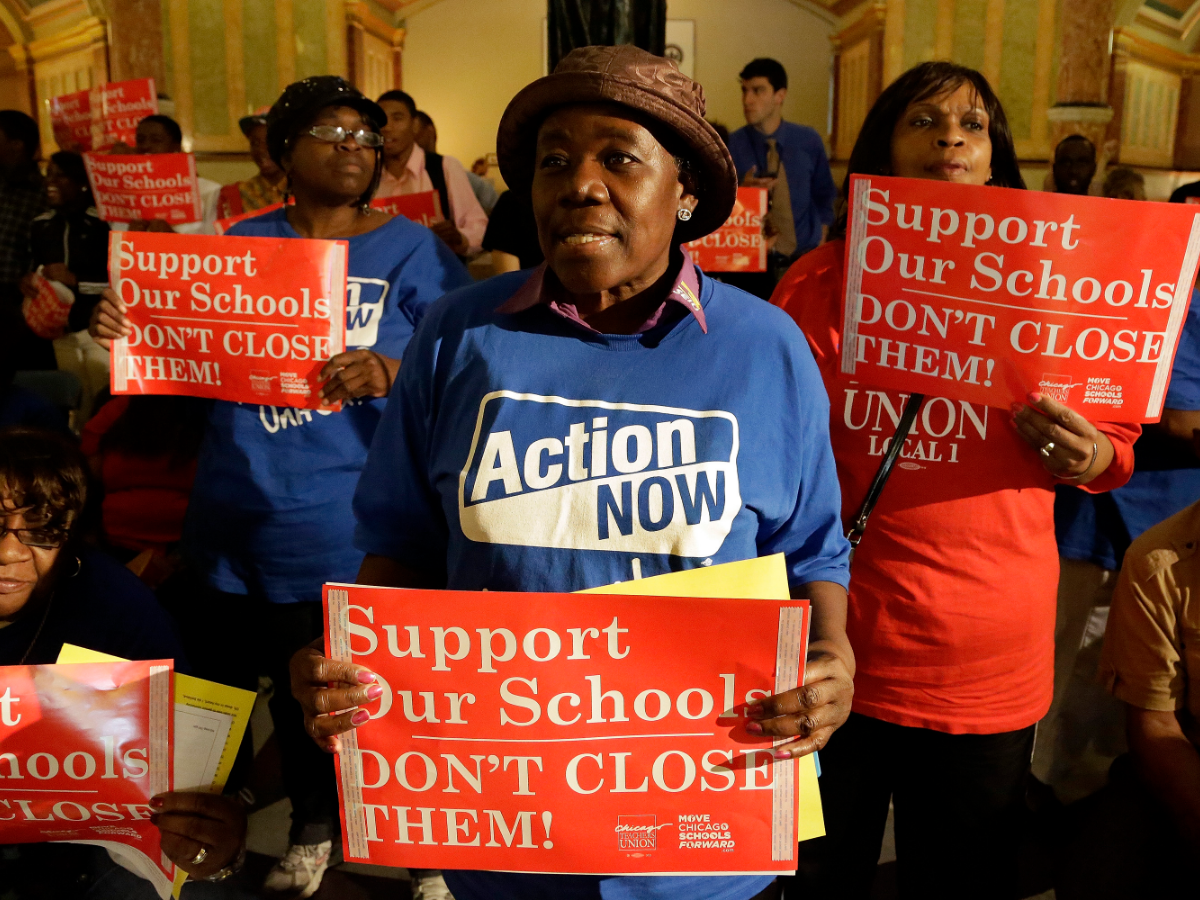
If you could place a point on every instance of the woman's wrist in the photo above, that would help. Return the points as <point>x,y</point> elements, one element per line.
<point>837,647</point>
<point>231,869</point>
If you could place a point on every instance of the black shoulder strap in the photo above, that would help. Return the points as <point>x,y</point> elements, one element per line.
<point>437,175</point>
<point>858,525</point>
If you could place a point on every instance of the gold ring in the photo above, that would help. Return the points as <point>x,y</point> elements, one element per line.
<point>201,856</point>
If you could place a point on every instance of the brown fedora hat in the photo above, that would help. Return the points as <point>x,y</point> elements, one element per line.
<point>631,77</point>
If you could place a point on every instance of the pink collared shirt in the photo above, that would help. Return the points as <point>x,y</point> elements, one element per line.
<point>468,215</point>
<point>685,291</point>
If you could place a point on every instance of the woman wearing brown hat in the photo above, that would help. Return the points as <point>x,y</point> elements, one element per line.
<point>610,413</point>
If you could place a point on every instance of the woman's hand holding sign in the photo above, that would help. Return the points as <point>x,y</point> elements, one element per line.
<point>108,320</point>
<point>814,711</point>
<point>1068,445</point>
<point>201,833</point>
<point>357,373</point>
<point>330,693</point>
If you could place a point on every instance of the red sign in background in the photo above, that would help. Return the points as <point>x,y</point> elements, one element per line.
<point>85,747</point>
<point>247,319</point>
<point>223,225</point>
<point>98,118</point>
<point>567,733</point>
<point>72,123</point>
<point>129,187</point>
<point>987,294</point>
<point>424,208</point>
<point>122,105</point>
<point>738,245</point>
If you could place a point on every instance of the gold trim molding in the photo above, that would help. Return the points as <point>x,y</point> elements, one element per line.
<point>1131,45</point>
<point>89,32</point>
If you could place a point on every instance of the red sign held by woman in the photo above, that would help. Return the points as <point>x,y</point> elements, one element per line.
<point>985,294</point>
<point>247,319</point>
<point>566,733</point>
<point>85,747</point>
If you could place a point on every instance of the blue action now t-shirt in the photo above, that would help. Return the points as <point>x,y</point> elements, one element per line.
<point>270,509</point>
<point>1098,528</point>
<point>524,453</point>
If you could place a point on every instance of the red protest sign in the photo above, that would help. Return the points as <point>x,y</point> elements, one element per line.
<point>85,748</point>
<point>223,225</point>
<point>566,733</point>
<point>247,319</point>
<point>122,105</point>
<point>424,208</point>
<point>738,245</point>
<point>128,187</point>
<point>71,121</point>
<point>986,294</point>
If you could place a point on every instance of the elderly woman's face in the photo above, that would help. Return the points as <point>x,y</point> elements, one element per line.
<point>22,567</point>
<point>340,168</point>
<point>606,195</point>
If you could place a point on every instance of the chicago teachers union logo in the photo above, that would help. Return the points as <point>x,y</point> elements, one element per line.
<point>638,832</point>
<point>591,475</point>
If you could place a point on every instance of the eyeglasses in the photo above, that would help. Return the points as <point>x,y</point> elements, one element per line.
<point>42,538</point>
<point>335,134</point>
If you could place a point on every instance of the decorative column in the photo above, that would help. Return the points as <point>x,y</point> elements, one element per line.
<point>1081,98</point>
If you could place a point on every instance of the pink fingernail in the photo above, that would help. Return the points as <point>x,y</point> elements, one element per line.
<point>754,728</point>
<point>374,691</point>
<point>359,717</point>
<point>1035,397</point>
<point>782,754</point>
<point>366,677</point>
<point>753,711</point>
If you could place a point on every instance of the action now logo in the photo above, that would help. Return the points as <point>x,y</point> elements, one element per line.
<point>591,475</point>
<point>365,299</point>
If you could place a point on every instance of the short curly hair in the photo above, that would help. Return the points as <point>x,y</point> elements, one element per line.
<point>45,472</point>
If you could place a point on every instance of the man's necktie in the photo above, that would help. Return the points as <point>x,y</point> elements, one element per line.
<point>780,213</point>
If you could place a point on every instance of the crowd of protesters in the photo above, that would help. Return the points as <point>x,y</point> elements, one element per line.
<point>1055,593</point>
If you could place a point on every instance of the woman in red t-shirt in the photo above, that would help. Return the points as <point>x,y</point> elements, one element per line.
<point>952,599</point>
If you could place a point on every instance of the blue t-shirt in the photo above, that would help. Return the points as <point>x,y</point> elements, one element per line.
<point>1166,477</point>
<point>523,453</point>
<point>270,508</point>
<point>810,183</point>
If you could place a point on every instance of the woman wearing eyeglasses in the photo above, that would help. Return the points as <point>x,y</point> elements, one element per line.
<point>270,518</point>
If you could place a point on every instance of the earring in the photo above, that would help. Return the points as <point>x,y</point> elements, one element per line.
<point>684,214</point>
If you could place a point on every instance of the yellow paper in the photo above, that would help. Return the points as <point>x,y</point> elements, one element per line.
<point>764,578</point>
<point>210,720</point>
